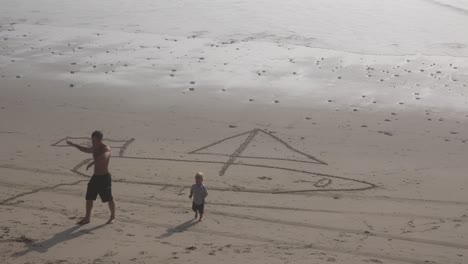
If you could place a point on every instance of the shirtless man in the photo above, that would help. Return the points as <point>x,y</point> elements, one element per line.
<point>101,181</point>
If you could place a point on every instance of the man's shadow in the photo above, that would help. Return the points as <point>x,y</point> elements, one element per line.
<point>68,234</point>
<point>178,229</point>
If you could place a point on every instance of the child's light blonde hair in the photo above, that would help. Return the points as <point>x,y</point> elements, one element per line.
<point>199,175</point>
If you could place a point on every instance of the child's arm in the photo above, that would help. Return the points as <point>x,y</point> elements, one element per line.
<point>206,192</point>
<point>191,193</point>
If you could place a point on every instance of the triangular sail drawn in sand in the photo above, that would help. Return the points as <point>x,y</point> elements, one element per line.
<point>245,139</point>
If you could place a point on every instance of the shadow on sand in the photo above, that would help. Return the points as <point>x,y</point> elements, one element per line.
<point>45,245</point>
<point>180,228</point>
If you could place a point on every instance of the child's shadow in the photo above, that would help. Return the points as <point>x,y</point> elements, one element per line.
<point>68,234</point>
<point>180,228</point>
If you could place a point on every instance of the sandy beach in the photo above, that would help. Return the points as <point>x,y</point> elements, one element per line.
<point>328,131</point>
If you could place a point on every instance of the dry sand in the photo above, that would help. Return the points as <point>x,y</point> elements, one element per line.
<point>329,131</point>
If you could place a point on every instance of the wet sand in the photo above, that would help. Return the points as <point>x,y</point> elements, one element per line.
<point>322,142</point>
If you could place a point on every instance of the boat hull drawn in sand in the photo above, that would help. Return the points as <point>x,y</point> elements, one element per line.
<point>254,161</point>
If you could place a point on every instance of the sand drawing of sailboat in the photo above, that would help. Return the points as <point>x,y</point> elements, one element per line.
<point>253,161</point>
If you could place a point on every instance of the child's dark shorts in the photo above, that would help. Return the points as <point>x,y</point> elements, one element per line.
<point>198,207</point>
<point>102,185</point>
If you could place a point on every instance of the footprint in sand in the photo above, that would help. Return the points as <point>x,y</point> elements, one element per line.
<point>191,248</point>
<point>72,85</point>
<point>276,101</point>
<point>386,133</point>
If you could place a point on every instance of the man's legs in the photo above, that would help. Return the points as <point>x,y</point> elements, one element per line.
<point>112,211</point>
<point>87,218</point>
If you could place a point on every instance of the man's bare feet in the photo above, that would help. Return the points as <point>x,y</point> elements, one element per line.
<point>110,221</point>
<point>200,220</point>
<point>83,221</point>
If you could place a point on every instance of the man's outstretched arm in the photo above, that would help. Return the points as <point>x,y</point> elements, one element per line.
<point>81,148</point>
